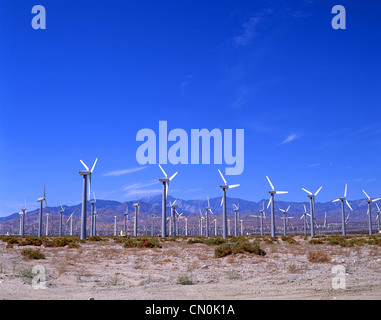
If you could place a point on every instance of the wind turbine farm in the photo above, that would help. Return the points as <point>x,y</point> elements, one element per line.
<point>190,151</point>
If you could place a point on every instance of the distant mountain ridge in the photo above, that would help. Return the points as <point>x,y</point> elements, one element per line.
<point>107,209</point>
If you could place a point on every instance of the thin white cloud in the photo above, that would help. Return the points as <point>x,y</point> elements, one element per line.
<point>122,172</point>
<point>290,138</point>
<point>313,165</point>
<point>248,33</point>
<point>139,186</point>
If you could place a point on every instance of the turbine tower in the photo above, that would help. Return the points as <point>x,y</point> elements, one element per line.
<point>369,211</point>
<point>125,220</point>
<point>61,213</point>
<point>378,218</point>
<point>153,225</point>
<point>93,203</point>
<point>273,192</point>
<point>22,221</point>
<point>284,219</point>
<point>343,199</point>
<point>208,208</point>
<point>71,222</point>
<point>136,205</point>
<point>304,215</point>
<point>84,196</point>
<point>173,208</point>
<point>114,225</point>
<point>225,188</point>
<point>312,208</point>
<point>236,208</point>
<point>41,200</point>
<point>47,224</point>
<point>165,181</point>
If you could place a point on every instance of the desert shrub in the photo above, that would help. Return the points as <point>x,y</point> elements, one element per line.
<point>61,242</point>
<point>184,280</point>
<point>318,256</point>
<point>223,250</point>
<point>315,241</point>
<point>142,243</point>
<point>288,239</point>
<point>96,238</point>
<point>239,247</point>
<point>214,241</point>
<point>31,241</point>
<point>195,240</point>
<point>30,253</point>
<point>11,240</point>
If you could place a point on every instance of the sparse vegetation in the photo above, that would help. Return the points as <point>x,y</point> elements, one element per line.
<point>184,279</point>
<point>142,243</point>
<point>241,246</point>
<point>318,256</point>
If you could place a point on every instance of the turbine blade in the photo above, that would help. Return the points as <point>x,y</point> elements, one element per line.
<point>345,192</point>
<point>94,197</point>
<point>95,162</point>
<point>222,177</point>
<point>288,208</point>
<point>268,205</point>
<point>310,193</point>
<point>268,179</point>
<point>378,208</point>
<point>281,192</point>
<point>305,209</point>
<point>376,199</point>
<point>346,201</point>
<point>318,191</point>
<point>366,195</point>
<point>86,167</point>
<point>174,175</point>
<point>222,201</point>
<point>336,200</point>
<point>208,202</point>
<point>234,186</point>
<point>163,170</point>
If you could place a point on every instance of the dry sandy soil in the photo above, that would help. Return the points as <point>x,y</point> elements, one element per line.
<point>106,270</point>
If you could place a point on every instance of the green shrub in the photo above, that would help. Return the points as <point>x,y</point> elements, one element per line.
<point>184,280</point>
<point>31,241</point>
<point>214,241</point>
<point>239,247</point>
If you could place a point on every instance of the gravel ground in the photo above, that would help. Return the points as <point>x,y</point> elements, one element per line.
<point>105,270</point>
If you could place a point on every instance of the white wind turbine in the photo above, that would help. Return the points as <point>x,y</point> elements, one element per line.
<point>343,199</point>
<point>272,194</point>
<point>61,226</point>
<point>224,188</point>
<point>71,222</point>
<point>236,208</point>
<point>165,181</point>
<point>285,217</point>
<point>261,216</point>
<point>312,208</point>
<point>304,215</point>
<point>86,173</point>
<point>208,208</point>
<point>173,209</point>
<point>370,201</point>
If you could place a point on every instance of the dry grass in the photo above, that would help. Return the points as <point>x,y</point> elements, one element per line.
<point>318,256</point>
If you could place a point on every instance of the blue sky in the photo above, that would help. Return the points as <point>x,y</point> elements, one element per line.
<point>307,96</point>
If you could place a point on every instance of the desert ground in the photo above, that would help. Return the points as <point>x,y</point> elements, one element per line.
<point>104,270</point>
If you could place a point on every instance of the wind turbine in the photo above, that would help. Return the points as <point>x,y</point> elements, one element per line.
<point>136,205</point>
<point>325,225</point>
<point>41,200</point>
<point>125,219</point>
<point>22,221</point>
<point>369,211</point>
<point>273,192</point>
<point>93,203</point>
<point>173,207</point>
<point>215,226</point>
<point>186,226</point>
<point>71,222</point>
<point>262,216</point>
<point>241,227</point>
<point>208,208</point>
<point>84,196</point>
<point>378,218</point>
<point>312,208</point>
<point>201,218</point>
<point>236,208</point>
<point>61,213</point>
<point>165,181</point>
<point>343,199</point>
<point>284,219</point>
<point>179,216</point>
<point>224,188</point>
<point>304,215</point>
